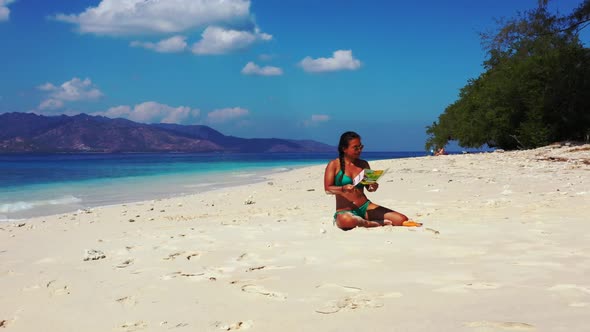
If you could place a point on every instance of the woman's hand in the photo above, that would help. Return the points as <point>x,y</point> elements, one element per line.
<point>373,187</point>
<point>347,188</point>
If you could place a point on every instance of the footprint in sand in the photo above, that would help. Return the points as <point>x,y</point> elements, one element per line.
<point>184,254</point>
<point>180,274</point>
<point>338,287</point>
<point>133,326</point>
<point>234,326</point>
<point>191,255</point>
<point>179,325</point>
<point>258,263</point>
<point>93,255</point>
<point>255,268</point>
<point>269,267</point>
<point>218,272</point>
<point>125,263</point>
<point>173,256</point>
<point>255,289</point>
<point>127,301</point>
<point>57,289</point>
<point>359,300</point>
<point>251,258</point>
<point>508,326</point>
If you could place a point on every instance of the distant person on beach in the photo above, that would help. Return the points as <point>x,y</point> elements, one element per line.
<point>441,152</point>
<point>353,208</point>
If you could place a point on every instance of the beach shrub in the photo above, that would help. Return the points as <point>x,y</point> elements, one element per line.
<point>535,88</point>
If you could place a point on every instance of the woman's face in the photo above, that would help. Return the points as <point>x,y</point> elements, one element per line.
<point>355,147</point>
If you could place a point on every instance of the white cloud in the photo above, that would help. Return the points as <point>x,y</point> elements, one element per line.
<point>133,17</point>
<point>117,112</point>
<point>72,90</point>
<point>226,114</point>
<point>153,112</point>
<point>253,69</point>
<point>171,45</point>
<point>47,87</point>
<point>316,119</point>
<point>4,11</point>
<point>217,40</point>
<point>228,24</point>
<point>341,60</point>
<point>76,89</point>
<point>51,104</point>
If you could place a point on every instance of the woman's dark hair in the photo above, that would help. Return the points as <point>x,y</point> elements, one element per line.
<point>343,144</point>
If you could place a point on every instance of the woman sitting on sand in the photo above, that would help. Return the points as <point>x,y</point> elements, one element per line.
<point>353,208</point>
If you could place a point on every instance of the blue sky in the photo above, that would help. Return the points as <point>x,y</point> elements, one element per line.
<point>297,69</point>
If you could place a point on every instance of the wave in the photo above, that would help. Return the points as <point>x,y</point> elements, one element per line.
<point>282,169</point>
<point>23,206</point>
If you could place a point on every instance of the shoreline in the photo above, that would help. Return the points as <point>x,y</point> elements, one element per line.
<point>44,199</point>
<point>504,246</point>
<point>174,189</point>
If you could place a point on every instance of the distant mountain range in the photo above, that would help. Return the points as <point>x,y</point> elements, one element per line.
<point>28,132</point>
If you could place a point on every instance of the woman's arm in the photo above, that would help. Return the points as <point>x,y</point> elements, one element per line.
<point>329,176</point>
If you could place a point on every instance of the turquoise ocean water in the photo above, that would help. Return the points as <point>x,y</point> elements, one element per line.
<point>38,185</point>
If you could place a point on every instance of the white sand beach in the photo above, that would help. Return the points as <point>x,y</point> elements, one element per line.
<point>505,247</point>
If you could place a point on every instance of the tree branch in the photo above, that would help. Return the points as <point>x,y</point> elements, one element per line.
<point>520,146</point>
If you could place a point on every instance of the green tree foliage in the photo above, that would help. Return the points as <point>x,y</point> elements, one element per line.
<point>535,89</point>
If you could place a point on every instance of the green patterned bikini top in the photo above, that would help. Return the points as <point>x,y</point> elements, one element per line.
<point>343,179</point>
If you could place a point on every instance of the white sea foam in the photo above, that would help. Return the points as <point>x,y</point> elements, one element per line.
<point>3,218</point>
<point>24,206</point>
<point>243,175</point>
<point>281,169</point>
<point>197,185</point>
